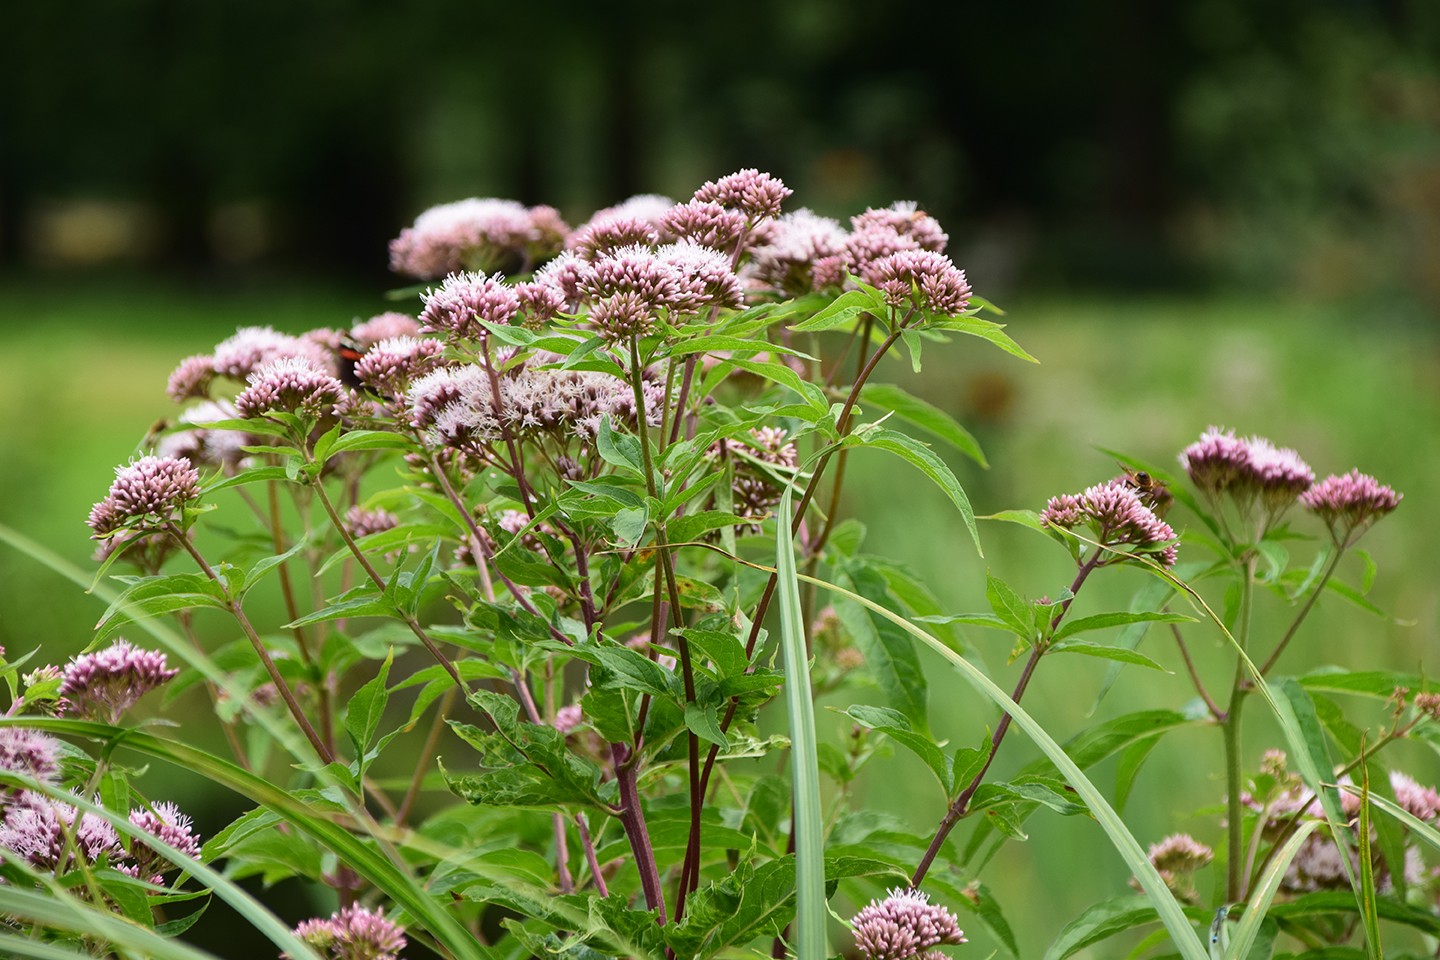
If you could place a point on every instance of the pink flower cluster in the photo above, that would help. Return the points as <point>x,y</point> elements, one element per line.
<point>35,829</point>
<point>239,356</point>
<point>290,385</point>
<point>146,494</point>
<point>477,234</point>
<point>354,933</point>
<point>904,925</point>
<point>104,684</point>
<point>1117,515</point>
<point>1350,502</point>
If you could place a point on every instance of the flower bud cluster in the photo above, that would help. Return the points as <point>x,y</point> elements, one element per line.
<point>354,932</point>
<point>477,234</point>
<point>104,684</point>
<point>290,385</point>
<point>1118,517</point>
<point>904,925</point>
<point>145,495</point>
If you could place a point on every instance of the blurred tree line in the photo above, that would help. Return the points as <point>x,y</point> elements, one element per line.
<point>1284,143</point>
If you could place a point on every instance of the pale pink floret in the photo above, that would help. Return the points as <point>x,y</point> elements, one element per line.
<point>241,354</point>
<point>106,683</point>
<point>598,238</point>
<point>289,385</point>
<point>384,326</point>
<point>167,824</point>
<point>904,925</point>
<point>1349,503</point>
<point>568,717</point>
<point>149,492</point>
<point>354,933</point>
<point>753,193</point>
<point>464,302</point>
<point>1118,517</point>
<point>476,233</point>
<point>1180,853</point>
<point>30,752</point>
<point>704,222</point>
<point>927,279</point>
<point>35,829</point>
<point>708,275</point>
<point>389,366</point>
<point>787,261</point>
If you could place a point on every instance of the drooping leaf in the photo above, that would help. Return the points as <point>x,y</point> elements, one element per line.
<point>924,415</point>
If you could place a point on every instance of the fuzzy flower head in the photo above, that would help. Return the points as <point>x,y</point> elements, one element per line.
<point>30,752</point>
<point>906,219</point>
<point>477,234</point>
<point>568,717</point>
<point>705,222</point>
<point>104,684</point>
<point>1249,471</point>
<point>599,237</point>
<point>922,278</point>
<point>1180,853</point>
<point>240,355</point>
<point>904,925</point>
<point>384,326</point>
<point>1117,516</point>
<point>146,494</point>
<point>1350,504</point>
<point>787,260</point>
<point>35,829</point>
<point>167,824</point>
<point>354,933</point>
<point>708,279</point>
<point>755,194</point>
<point>289,385</point>
<point>465,302</point>
<point>390,365</point>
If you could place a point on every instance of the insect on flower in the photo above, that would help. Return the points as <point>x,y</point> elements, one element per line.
<point>1151,490</point>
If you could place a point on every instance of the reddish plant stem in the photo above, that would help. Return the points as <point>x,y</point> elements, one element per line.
<point>958,808</point>
<point>632,819</point>
<point>590,857</point>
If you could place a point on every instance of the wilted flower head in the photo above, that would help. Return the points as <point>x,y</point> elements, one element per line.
<point>354,933</point>
<point>755,194</point>
<point>289,385</point>
<point>465,301</point>
<point>927,279</point>
<point>30,752</point>
<point>167,824</point>
<point>1116,514</point>
<point>904,925</point>
<point>476,234</point>
<point>1349,504</point>
<point>106,683</point>
<point>146,494</point>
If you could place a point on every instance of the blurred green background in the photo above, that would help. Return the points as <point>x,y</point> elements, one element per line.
<point>1215,211</point>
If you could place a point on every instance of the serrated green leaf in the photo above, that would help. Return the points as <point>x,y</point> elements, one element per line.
<point>894,724</point>
<point>1104,621</point>
<point>703,720</point>
<point>842,310</point>
<point>366,707</point>
<point>368,440</point>
<point>1010,607</point>
<point>1119,654</point>
<point>985,330</point>
<point>922,457</point>
<point>924,415</point>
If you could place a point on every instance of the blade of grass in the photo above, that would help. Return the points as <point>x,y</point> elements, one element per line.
<point>1168,908</point>
<point>1264,893</point>
<point>1368,909</point>
<point>49,910</point>
<point>806,821</point>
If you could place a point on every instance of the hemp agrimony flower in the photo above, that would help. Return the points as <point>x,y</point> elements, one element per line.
<point>167,824</point>
<point>1350,504</point>
<point>904,925</point>
<point>35,829</point>
<point>289,385</point>
<point>465,302</point>
<point>477,234</point>
<point>146,494</point>
<point>1117,517</point>
<point>29,752</point>
<point>755,194</point>
<point>354,933</point>
<point>106,683</point>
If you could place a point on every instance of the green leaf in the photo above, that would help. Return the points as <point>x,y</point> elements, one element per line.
<point>374,605</point>
<point>1119,654</point>
<point>1105,919</point>
<point>889,656</point>
<point>368,440</point>
<point>1010,607</point>
<point>251,475</point>
<point>703,720</point>
<point>156,596</point>
<point>922,457</point>
<point>629,525</point>
<point>619,449</point>
<point>985,330</point>
<point>1104,621</point>
<point>1170,911</point>
<point>813,396</point>
<point>808,817</point>
<point>894,724</point>
<point>924,415</point>
<point>841,311</point>
<point>367,706</point>
<point>1373,683</point>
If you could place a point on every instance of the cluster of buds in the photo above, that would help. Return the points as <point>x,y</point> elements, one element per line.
<point>354,933</point>
<point>1176,859</point>
<point>1117,517</point>
<point>105,684</point>
<point>904,925</point>
<point>147,495</point>
<point>477,234</point>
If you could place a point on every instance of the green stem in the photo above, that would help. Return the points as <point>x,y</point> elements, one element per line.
<point>1304,611</point>
<point>1230,728</point>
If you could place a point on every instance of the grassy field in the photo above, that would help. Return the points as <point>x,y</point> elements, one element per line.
<point>82,376</point>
